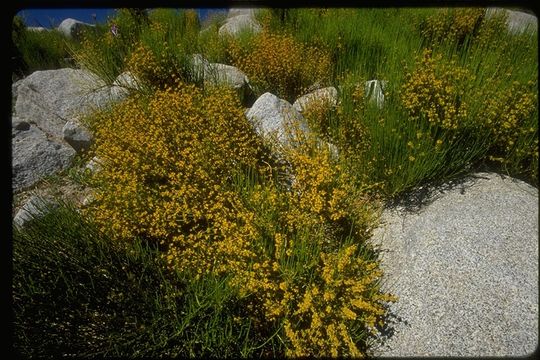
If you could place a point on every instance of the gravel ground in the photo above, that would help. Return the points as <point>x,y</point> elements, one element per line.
<point>465,268</point>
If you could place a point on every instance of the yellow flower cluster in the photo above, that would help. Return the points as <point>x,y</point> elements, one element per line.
<point>506,114</point>
<point>305,277</point>
<point>281,65</point>
<point>151,68</point>
<point>434,91</point>
<point>327,312</point>
<point>452,24</point>
<point>167,160</point>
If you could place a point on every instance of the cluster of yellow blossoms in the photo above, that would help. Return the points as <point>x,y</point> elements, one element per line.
<point>435,91</point>
<point>280,64</point>
<point>452,24</point>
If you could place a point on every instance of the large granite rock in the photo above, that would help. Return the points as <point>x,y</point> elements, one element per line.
<point>51,98</point>
<point>465,269</point>
<point>72,28</point>
<point>35,156</point>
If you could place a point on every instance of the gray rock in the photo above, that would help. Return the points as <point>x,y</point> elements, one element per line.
<point>35,157</point>
<point>328,94</point>
<point>14,88</point>
<point>50,98</point>
<point>239,23</point>
<point>88,200</point>
<point>274,117</point>
<point>77,136</point>
<point>465,269</point>
<point>200,65</point>
<point>72,28</point>
<point>225,75</point>
<point>374,91</point>
<point>221,74</point>
<point>94,165</point>
<point>123,85</point>
<point>35,207</point>
<point>517,21</point>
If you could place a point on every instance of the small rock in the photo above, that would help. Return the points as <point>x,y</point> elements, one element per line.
<point>226,74</point>
<point>34,207</point>
<point>328,94</point>
<point>72,28</point>
<point>88,200</point>
<point>94,165</point>
<point>77,136</point>
<point>374,90</point>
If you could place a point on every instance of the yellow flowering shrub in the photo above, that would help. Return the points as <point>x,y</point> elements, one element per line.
<point>434,91</point>
<point>279,64</point>
<point>323,292</point>
<point>167,161</point>
<point>295,254</point>
<point>151,68</point>
<point>344,295</point>
<point>452,24</point>
<point>507,116</point>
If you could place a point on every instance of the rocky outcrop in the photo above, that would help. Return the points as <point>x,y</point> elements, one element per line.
<point>72,28</point>
<point>46,133</point>
<point>465,269</point>
<point>35,156</point>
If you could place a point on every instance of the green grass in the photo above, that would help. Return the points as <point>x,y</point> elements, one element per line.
<point>38,50</point>
<point>77,292</point>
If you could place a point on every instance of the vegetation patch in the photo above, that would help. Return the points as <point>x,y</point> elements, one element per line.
<point>204,239</point>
